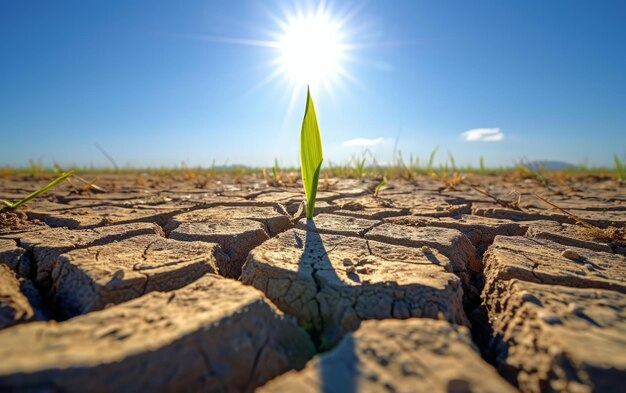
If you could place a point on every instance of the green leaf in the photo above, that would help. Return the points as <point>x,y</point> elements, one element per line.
<point>431,160</point>
<point>35,194</point>
<point>311,155</point>
<point>619,166</point>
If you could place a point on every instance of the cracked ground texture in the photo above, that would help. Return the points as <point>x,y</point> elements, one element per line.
<point>170,284</point>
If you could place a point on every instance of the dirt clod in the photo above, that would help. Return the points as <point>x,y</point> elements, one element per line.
<point>397,356</point>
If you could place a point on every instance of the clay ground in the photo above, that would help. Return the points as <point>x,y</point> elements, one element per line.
<point>181,284</point>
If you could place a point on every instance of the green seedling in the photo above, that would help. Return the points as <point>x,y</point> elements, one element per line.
<point>35,167</point>
<point>620,167</point>
<point>379,186</point>
<point>452,160</point>
<point>57,168</point>
<point>533,171</point>
<point>276,178</point>
<point>212,169</point>
<point>276,171</point>
<point>359,167</point>
<point>239,172</point>
<point>330,172</point>
<point>375,168</point>
<point>431,160</point>
<point>482,165</point>
<point>35,194</point>
<point>311,155</point>
<point>408,171</point>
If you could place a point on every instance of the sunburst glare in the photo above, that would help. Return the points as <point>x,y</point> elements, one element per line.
<point>311,48</point>
<point>312,44</point>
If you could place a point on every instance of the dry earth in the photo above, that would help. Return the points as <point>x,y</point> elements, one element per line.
<point>164,284</point>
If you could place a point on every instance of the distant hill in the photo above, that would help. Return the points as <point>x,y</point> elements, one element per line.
<point>550,165</point>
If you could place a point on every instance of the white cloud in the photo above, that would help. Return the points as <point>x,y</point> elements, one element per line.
<point>483,135</point>
<point>362,142</point>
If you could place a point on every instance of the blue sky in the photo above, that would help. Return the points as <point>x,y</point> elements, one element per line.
<point>156,83</point>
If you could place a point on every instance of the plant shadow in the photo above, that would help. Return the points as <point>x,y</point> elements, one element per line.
<point>337,367</point>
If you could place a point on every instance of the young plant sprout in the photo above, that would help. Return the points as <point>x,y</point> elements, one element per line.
<point>620,168</point>
<point>40,191</point>
<point>311,155</point>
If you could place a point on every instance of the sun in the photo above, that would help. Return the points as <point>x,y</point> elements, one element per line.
<point>311,48</point>
<point>311,44</point>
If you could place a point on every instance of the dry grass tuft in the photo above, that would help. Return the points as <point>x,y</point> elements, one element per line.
<point>450,179</point>
<point>87,187</point>
<point>515,204</point>
<point>590,231</point>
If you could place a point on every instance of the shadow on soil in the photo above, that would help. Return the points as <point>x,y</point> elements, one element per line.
<point>337,368</point>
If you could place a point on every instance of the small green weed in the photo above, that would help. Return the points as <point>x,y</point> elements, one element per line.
<point>431,160</point>
<point>452,161</point>
<point>620,167</point>
<point>276,172</point>
<point>408,171</point>
<point>379,186</point>
<point>533,171</point>
<point>276,178</point>
<point>40,191</point>
<point>359,167</point>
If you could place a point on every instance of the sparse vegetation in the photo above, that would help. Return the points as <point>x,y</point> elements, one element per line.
<point>409,169</point>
